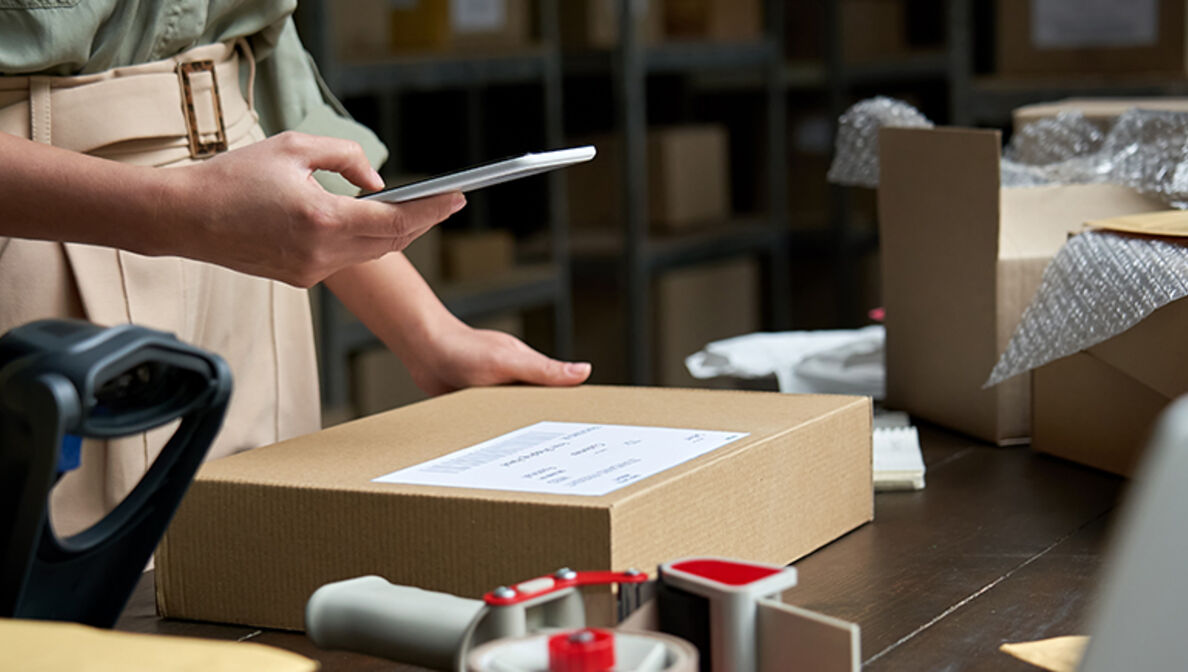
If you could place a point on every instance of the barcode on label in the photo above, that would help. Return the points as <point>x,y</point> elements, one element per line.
<point>491,453</point>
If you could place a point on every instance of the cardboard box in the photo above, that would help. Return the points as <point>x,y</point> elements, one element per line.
<point>1047,37</point>
<point>688,179</point>
<point>700,304</point>
<point>961,259</point>
<point>425,254</point>
<point>872,30</point>
<point>713,20</point>
<point>380,381</point>
<point>691,307</point>
<point>1098,407</point>
<point>258,532</point>
<point>1101,111</point>
<point>478,255</point>
<point>434,25</point>
<point>594,24</point>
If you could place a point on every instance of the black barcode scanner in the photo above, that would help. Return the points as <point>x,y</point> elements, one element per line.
<point>60,382</point>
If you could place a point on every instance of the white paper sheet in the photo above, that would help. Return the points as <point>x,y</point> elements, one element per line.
<point>565,458</point>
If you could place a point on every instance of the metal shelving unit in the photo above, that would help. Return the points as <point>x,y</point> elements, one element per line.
<point>522,288</point>
<point>637,253</point>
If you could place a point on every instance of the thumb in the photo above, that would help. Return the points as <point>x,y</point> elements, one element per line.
<point>529,366</point>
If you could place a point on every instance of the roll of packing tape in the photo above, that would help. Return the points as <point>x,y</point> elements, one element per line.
<point>634,651</point>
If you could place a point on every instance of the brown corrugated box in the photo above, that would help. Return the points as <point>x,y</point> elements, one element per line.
<point>472,255</point>
<point>432,25</point>
<point>595,23</point>
<point>1098,407</point>
<point>1100,111</point>
<point>381,382</point>
<point>1078,43</point>
<point>688,179</point>
<point>713,20</point>
<point>258,532</point>
<point>692,306</point>
<point>961,260</point>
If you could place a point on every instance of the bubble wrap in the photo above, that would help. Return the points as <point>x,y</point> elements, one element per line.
<point>856,158</point>
<point>1099,285</point>
<point>1065,136</point>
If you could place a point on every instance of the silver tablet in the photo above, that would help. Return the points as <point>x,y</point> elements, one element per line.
<point>485,175</point>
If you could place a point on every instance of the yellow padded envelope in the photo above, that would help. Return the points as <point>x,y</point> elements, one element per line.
<point>1165,223</point>
<point>51,647</point>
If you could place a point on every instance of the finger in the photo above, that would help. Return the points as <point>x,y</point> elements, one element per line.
<point>344,157</point>
<point>404,220</point>
<point>529,366</point>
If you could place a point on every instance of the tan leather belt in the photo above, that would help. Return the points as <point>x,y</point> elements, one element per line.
<point>186,107</point>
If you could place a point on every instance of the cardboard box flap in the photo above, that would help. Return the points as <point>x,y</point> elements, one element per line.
<point>938,222</point>
<point>1101,111</point>
<point>1036,221</point>
<point>1152,352</point>
<point>383,443</point>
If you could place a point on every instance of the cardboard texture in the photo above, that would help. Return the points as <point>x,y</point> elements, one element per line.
<point>1098,407</point>
<point>478,255</point>
<point>961,260</point>
<point>595,23</point>
<point>1065,46</point>
<point>688,179</point>
<point>1101,111</point>
<point>258,532</point>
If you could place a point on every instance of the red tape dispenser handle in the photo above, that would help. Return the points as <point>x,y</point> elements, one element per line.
<point>531,589</point>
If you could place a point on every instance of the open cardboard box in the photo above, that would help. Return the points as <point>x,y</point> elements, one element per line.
<point>258,532</point>
<point>962,258</point>
<point>1100,111</point>
<point>1098,406</point>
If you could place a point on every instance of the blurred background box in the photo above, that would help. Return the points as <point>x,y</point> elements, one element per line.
<point>1101,111</point>
<point>373,28</point>
<point>425,254</point>
<point>713,20</point>
<point>380,381</point>
<point>694,305</point>
<point>477,255</point>
<point>1047,37</point>
<point>688,179</point>
<point>872,30</point>
<point>595,23</point>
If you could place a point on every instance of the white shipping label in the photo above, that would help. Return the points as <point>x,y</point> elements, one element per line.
<point>1076,24</point>
<point>477,16</point>
<point>565,458</point>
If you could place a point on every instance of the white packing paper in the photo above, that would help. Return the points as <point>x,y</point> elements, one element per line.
<point>565,458</point>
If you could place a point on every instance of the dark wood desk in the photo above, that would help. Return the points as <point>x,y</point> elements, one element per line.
<point>1003,545</point>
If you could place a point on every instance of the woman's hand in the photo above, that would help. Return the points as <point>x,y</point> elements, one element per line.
<point>466,357</point>
<point>259,210</point>
<point>441,352</point>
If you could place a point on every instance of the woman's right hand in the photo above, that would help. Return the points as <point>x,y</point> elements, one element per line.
<point>259,210</point>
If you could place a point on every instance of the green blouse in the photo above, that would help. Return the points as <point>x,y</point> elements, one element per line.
<point>71,37</point>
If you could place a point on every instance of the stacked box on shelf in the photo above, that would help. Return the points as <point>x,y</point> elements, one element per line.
<point>693,306</point>
<point>374,28</point>
<point>688,180</point>
<point>1115,37</point>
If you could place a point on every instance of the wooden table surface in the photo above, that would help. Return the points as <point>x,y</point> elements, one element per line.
<point>1003,545</point>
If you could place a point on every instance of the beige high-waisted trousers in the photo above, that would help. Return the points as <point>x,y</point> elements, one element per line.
<point>157,114</point>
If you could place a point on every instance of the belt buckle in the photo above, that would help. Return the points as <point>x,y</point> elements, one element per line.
<point>198,148</point>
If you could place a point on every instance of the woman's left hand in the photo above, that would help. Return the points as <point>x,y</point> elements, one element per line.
<point>467,357</point>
